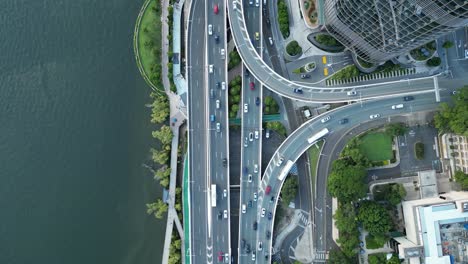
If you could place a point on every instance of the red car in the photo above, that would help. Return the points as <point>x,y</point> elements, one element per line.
<point>252,86</point>
<point>215,9</point>
<point>268,190</point>
<point>220,256</point>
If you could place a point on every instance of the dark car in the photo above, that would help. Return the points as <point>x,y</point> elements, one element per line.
<point>247,73</point>
<point>250,204</point>
<point>216,38</point>
<point>305,76</point>
<point>243,243</point>
<point>268,234</point>
<point>224,162</point>
<point>343,121</point>
<point>268,21</point>
<point>220,215</point>
<point>408,98</point>
<point>270,215</point>
<point>266,256</point>
<point>257,101</point>
<point>247,249</point>
<point>254,225</point>
<point>298,91</point>
<point>246,170</point>
<point>272,199</point>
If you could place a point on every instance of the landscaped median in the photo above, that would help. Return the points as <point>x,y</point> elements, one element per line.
<point>147,44</point>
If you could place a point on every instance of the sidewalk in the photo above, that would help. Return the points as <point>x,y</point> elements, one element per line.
<point>285,232</point>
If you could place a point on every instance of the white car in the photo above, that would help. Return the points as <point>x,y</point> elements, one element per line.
<point>210,68</point>
<point>250,2</point>
<point>267,134</point>
<point>223,53</point>
<point>280,161</point>
<point>263,212</point>
<point>234,6</point>
<point>210,29</point>
<point>270,40</point>
<point>223,86</point>
<point>398,106</point>
<point>251,136</point>
<point>325,119</point>
<point>246,108</point>
<point>225,214</point>
<point>253,256</point>
<point>374,116</point>
<point>351,93</point>
<point>257,3</point>
<point>249,178</point>
<point>255,197</point>
<point>225,193</point>
<point>257,134</point>
<point>218,127</point>
<point>244,208</point>
<point>255,168</point>
<point>218,104</point>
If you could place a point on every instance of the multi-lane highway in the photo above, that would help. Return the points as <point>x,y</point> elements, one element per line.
<point>198,130</point>
<point>208,133</point>
<point>251,109</point>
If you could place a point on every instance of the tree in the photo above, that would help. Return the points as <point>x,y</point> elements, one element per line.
<point>283,18</point>
<point>346,223</point>
<point>395,129</point>
<point>454,118</point>
<point>337,256</point>
<point>433,62</point>
<point>347,182</point>
<point>276,126</point>
<point>289,190</point>
<point>163,172</point>
<point>394,260</point>
<point>293,48</point>
<point>158,208</point>
<point>447,44</point>
<point>396,193</point>
<point>378,258</point>
<point>164,135</point>
<point>161,156</point>
<point>462,179</point>
<point>160,108</point>
<point>375,218</point>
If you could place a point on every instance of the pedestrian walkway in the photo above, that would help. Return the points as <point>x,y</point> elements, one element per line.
<point>285,232</point>
<point>179,79</point>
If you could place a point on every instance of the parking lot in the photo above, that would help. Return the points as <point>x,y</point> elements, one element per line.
<point>409,164</point>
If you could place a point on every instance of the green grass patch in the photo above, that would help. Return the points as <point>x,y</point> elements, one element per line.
<point>419,150</point>
<point>314,154</point>
<point>149,42</point>
<point>376,146</point>
<point>373,243</point>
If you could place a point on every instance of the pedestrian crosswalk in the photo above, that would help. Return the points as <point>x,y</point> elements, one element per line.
<point>320,256</point>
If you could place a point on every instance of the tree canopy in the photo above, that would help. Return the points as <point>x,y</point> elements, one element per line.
<point>337,256</point>
<point>164,134</point>
<point>346,182</point>
<point>158,208</point>
<point>289,190</point>
<point>375,218</point>
<point>462,179</point>
<point>454,118</point>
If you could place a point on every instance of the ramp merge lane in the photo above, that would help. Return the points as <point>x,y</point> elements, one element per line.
<point>313,92</point>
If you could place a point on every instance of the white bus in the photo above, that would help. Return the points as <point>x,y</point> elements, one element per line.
<point>318,136</point>
<point>213,195</point>
<point>285,170</point>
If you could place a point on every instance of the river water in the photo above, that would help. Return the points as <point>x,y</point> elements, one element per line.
<point>74,133</point>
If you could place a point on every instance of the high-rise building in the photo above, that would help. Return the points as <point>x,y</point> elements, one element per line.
<point>379,30</point>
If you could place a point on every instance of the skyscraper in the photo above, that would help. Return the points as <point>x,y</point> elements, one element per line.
<point>378,30</point>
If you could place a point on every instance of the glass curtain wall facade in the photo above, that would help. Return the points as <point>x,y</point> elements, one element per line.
<point>379,30</point>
